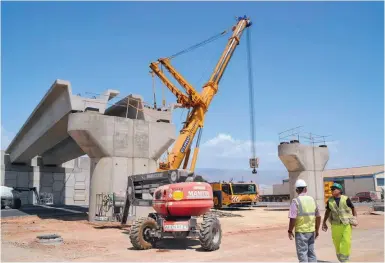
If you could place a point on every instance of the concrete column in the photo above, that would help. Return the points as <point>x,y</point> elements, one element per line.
<point>305,162</point>
<point>118,147</point>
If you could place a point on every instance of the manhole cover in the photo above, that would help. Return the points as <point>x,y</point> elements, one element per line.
<point>50,239</point>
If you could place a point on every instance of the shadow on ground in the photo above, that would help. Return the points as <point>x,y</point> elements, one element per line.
<point>169,244</point>
<point>65,213</point>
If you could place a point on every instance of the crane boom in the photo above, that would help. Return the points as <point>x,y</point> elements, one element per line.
<point>198,102</point>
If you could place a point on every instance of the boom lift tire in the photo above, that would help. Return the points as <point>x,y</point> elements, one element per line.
<point>138,233</point>
<point>210,235</point>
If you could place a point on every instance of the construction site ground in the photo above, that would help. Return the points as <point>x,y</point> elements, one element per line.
<point>248,235</point>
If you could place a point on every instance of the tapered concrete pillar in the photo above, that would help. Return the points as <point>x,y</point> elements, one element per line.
<point>118,147</point>
<point>305,162</point>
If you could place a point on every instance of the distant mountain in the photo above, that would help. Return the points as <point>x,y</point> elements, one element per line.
<point>263,178</point>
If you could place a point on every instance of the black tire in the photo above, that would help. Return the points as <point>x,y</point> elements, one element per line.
<point>218,195</point>
<point>16,204</point>
<point>137,233</point>
<point>210,235</point>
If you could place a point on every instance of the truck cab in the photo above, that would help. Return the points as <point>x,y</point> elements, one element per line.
<point>238,194</point>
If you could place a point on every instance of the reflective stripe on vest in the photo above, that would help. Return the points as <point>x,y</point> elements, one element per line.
<point>305,221</point>
<point>339,214</point>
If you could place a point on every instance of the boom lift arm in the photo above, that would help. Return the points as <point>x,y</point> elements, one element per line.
<point>199,102</point>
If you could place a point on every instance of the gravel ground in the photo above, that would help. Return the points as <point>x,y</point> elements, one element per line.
<point>248,235</point>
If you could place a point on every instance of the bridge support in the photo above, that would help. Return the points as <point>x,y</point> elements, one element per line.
<point>118,147</point>
<point>305,162</point>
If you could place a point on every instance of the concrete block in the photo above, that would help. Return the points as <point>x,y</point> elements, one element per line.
<point>69,164</point>
<point>69,192</point>
<point>5,159</point>
<point>141,165</point>
<point>141,139</point>
<point>10,175</point>
<point>80,197</point>
<point>84,163</point>
<point>80,186</point>
<point>2,176</point>
<point>36,161</point>
<point>79,202</point>
<point>305,162</point>
<point>69,201</point>
<point>46,179</point>
<point>70,180</point>
<point>121,166</point>
<point>123,136</point>
<point>80,177</point>
<point>46,189</point>
<point>165,136</point>
<point>22,179</point>
<point>24,200</point>
<point>30,177</point>
<point>58,198</point>
<point>11,183</point>
<point>58,186</point>
<point>58,176</point>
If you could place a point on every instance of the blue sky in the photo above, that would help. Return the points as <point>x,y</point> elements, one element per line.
<point>317,64</point>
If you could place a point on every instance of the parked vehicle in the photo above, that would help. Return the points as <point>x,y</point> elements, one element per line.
<point>10,198</point>
<point>365,197</point>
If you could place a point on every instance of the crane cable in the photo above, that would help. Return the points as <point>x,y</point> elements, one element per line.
<point>209,40</point>
<point>251,94</point>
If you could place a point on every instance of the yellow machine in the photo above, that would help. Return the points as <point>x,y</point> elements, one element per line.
<point>229,194</point>
<point>328,191</point>
<point>197,103</point>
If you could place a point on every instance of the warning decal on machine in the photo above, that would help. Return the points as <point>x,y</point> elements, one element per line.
<point>198,194</point>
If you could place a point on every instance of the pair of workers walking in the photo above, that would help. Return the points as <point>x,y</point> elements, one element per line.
<point>305,218</point>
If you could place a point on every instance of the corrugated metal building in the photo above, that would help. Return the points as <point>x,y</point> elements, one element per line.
<point>357,179</point>
<point>354,180</point>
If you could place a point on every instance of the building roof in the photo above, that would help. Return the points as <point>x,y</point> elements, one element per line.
<point>354,171</point>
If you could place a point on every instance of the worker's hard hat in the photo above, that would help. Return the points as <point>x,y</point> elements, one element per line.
<point>337,185</point>
<point>300,183</point>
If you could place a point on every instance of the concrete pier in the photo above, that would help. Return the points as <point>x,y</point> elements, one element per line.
<point>305,162</point>
<point>123,139</point>
<point>118,147</point>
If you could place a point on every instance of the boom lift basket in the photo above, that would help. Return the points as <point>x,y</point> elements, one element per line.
<point>138,186</point>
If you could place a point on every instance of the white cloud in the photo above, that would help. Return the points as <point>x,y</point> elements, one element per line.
<point>6,138</point>
<point>226,151</point>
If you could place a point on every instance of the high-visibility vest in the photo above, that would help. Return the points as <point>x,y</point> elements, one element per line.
<point>339,214</point>
<point>305,221</point>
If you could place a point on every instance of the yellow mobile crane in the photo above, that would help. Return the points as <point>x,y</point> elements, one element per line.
<point>197,102</point>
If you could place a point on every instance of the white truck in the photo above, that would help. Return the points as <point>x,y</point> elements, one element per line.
<point>10,197</point>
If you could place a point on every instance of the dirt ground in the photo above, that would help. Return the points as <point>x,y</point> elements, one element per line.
<point>257,235</point>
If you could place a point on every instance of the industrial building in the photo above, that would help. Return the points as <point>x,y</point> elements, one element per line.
<point>354,180</point>
<point>357,179</point>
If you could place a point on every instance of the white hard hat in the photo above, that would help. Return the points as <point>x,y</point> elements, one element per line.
<point>300,183</point>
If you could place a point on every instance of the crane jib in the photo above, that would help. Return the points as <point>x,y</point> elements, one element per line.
<point>219,69</point>
<point>199,105</point>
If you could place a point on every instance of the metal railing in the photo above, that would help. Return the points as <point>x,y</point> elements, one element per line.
<point>297,134</point>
